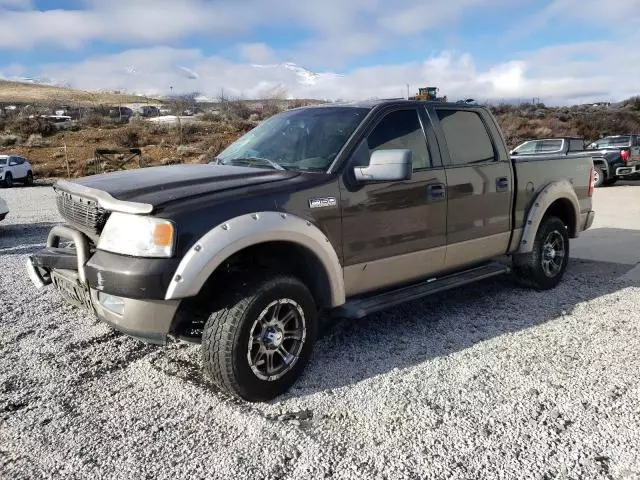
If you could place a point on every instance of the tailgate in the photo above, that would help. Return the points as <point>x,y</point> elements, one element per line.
<point>635,154</point>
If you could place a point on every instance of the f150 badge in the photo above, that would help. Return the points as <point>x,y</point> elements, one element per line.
<point>322,202</point>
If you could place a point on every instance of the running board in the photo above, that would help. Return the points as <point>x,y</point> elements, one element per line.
<point>361,307</point>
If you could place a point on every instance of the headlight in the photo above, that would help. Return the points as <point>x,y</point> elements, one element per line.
<point>137,236</point>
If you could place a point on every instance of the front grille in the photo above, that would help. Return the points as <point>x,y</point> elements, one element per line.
<point>81,212</point>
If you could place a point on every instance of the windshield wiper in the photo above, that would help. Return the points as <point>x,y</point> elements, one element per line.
<point>249,160</point>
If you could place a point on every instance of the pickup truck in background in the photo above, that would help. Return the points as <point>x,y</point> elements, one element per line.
<point>558,145</point>
<point>335,210</point>
<point>615,157</point>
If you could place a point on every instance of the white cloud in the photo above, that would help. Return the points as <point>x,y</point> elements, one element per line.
<point>553,74</point>
<point>257,53</point>
<point>337,31</point>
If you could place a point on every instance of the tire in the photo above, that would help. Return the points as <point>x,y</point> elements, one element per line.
<point>244,370</point>
<point>600,177</point>
<point>29,179</point>
<point>544,268</point>
<point>8,180</point>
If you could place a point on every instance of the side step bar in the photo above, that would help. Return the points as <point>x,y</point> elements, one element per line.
<point>361,307</point>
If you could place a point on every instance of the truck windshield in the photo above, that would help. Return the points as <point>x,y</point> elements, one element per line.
<point>622,141</point>
<point>305,139</point>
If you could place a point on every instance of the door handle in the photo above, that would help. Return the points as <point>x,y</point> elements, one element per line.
<point>436,191</point>
<point>502,184</point>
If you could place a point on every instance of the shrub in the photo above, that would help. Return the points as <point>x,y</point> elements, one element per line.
<point>210,117</point>
<point>35,140</point>
<point>239,110</point>
<point>127,137</point>
<point>29,126</point>
<point>8,140</point>
<point>94,120</point>
<point>187,150</point>
<point>214,144</point>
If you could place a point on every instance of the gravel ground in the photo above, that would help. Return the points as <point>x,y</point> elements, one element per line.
<point>490,381</point>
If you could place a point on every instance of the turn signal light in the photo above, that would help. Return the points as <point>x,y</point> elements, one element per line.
<point>592,181</point>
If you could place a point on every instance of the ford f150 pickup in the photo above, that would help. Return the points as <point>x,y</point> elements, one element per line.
<point>333,210</point>
<point>615,157</point>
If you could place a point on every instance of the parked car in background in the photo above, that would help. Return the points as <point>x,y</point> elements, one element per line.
<point>121,114</point>
<point>149,111</point>
<point>14,168</point>
<point>617,156</point>
<point>560,145</point>
<point>4,209</point>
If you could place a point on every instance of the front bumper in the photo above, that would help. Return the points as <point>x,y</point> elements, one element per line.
<point>150,320</point>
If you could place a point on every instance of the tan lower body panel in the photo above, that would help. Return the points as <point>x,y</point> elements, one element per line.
<point>476,250</point>
<point>387,272</point>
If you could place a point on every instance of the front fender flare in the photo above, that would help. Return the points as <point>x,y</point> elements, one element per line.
<point>217,245</point>
<point>559,190</point>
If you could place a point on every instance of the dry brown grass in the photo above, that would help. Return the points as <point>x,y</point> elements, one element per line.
<point>16,92</point>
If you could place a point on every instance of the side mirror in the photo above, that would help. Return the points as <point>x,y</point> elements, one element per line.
<point>386,166</point>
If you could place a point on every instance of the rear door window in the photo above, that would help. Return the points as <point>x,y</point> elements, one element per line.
<point>467,137</point>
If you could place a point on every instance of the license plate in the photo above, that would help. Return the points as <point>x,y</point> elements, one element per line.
<point>72,290</point>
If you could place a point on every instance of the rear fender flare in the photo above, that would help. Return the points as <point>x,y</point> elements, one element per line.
<point>238,233</point>
<point>560,190</point>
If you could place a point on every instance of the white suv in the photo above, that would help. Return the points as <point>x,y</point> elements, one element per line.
<point>14,168</point>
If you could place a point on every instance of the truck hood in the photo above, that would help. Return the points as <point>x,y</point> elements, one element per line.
<point>155,186</point>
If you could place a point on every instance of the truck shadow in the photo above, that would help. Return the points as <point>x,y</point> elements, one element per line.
<point>348,352</point>
<point>22,238</point>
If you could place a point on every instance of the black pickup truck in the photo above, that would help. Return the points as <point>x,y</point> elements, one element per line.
<point>615,157</point>
<point>334,210</point>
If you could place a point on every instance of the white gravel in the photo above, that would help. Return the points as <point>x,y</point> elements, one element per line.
<point>490,381</point>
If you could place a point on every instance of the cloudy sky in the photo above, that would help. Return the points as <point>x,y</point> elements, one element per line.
<point>563,51</point>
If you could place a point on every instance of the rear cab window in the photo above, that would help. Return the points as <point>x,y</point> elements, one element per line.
<point>548,146</point>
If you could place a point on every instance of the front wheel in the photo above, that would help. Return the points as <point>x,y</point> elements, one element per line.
<point>8,180</point>
<point>256,347</point>
<point>544,267</point>
<point>29,179</point>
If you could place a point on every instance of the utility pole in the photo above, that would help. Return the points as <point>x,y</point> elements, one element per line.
<point>407,91</point>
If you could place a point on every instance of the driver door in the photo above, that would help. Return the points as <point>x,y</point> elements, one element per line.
<point>394,232</point>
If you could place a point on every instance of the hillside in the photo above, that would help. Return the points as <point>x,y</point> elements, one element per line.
<point>39,94</point>
<point>205,136</point>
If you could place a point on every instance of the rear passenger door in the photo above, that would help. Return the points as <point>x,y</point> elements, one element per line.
<point>479,185</point>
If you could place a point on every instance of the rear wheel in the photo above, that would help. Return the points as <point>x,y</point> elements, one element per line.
<point>599,177</point>
<point>29,179</point>
<point>544,267</point>
<point>256,347</point>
